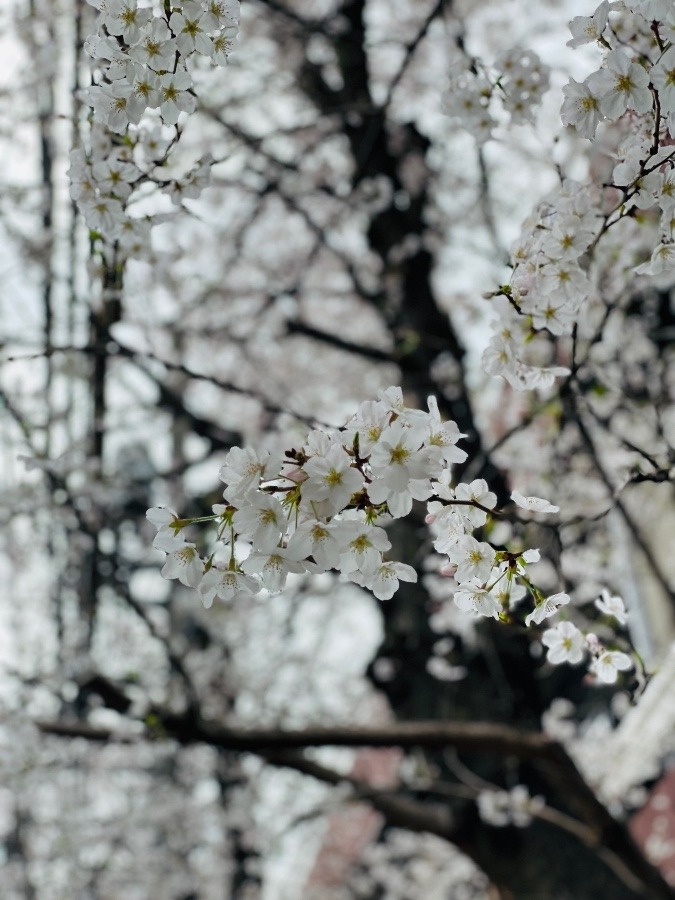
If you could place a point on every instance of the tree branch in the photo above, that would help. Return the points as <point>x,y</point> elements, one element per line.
<point>611,839</point>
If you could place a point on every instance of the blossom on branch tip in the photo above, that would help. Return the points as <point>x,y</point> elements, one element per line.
<point>245,468</point>
<point>585,29</point>
<point>190,27</point>
<point>533,504</point>
<point>547,608</point>
<point>608,665</point>
<point>169,535</point>
<point>612,606</point>
<point>221,14</point>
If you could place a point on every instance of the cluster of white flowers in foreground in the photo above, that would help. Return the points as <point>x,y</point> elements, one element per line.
<point>143,83</point>
<point>324,507</point>
<point>555,263</point>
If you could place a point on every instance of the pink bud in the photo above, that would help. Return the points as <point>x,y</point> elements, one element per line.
<point>430,518</point>
<point>297,475</point>
<point>448,571</point>
<point>593,643</point>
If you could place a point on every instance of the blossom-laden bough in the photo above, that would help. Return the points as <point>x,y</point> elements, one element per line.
<point>325,507</point>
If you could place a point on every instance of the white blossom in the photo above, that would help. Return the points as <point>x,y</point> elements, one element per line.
<point>190,27</point>
<point>585,29</point>
<point>612,606</point>
<point>105,215</point>
<point>227,584</point>
<point>185,564</point>
<point>474,559</point>
<point>124,18</point>
<point>324,541</point>
<point>622,85</point>
<point>547,608</point>
<point>608,665</point>
<point>174,96</point>
<point>262,520</point>
<point>332,478</point>
<point>533,504</point>
<point>221,14</point>
<point>385,578</point>
<point>581,107</point>
<point>274,567</point>
<point>370,420</point>
<point>115,175</point>
<point>475,492</point>
<point>475,599</point>
<point>155,47</point>
<point>565,643</point>
<point>245,468</point>
<point>363,548</point>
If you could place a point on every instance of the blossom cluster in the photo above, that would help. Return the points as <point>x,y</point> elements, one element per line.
<point>553,271</point>
<point>143,63</point>
<point>636,82</point>
<point>518,78</point>
<point>548,284</point>
<point>322,507</point>
<point>325,506</point>
<point>567,643</point>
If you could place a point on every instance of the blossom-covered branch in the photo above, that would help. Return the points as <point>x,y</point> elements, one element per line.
<point>325,507</point>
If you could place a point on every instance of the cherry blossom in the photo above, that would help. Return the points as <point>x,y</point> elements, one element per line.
<point>385,579</point>
<point>274,566</point>
<point>185,564</point>
<point>581,107</point>
<point>533,504</point>
<point>474,559</point>
<point>245,468</point>
<point>608,665</point>
<point>190,27</point>
<point>565,643</point>
<point>174,95</point>
<point>586,29</point>
<point>331,478</point>
<point>226,584</point>
<point>622,85</point>
<point>262,520</point>
<point>612,606</point>
<point>478,601</point>
<point>547,607</point>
